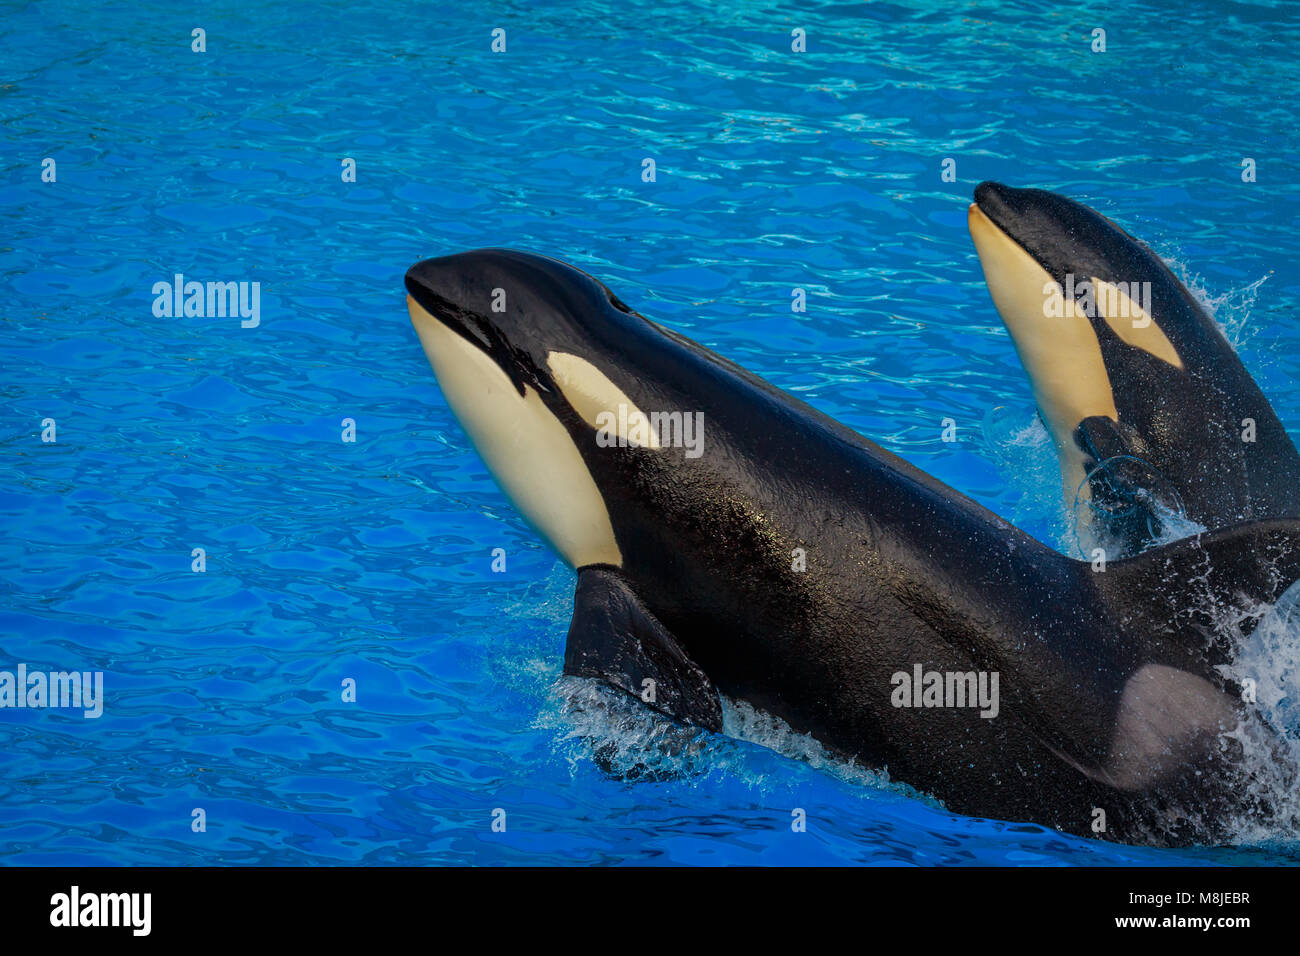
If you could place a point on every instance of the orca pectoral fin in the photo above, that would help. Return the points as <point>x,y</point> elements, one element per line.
<point>1128,495</point>
<point>615,638</point>
<point>1101,438</point>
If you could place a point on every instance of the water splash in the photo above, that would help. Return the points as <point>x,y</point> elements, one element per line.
<point>1230,310</point>
<point>1266,664</point>
<point>1272,654</point>
<point>630,741</point>
<point>1017,441</point>
<point>745,722</point>
<point>622,736</point>
<point>1138,509</point>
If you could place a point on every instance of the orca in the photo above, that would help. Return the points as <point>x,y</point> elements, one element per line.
<point>1148,404</point>
<point>795,565</point>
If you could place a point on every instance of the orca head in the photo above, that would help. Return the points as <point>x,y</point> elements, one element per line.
<point>515,341</point>
<point>1101,325</point>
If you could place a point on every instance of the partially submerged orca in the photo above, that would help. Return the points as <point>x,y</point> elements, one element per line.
<point>1144,397</point>
<point>792,563</point>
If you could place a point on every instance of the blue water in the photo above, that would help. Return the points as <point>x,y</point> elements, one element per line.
<point>372,560</point>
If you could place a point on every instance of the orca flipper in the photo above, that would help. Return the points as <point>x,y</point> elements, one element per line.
<point>1102,438</point>
<point>615,638</point>
<point>1129,498</point>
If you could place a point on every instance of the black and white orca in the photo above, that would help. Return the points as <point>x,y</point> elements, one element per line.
<point>789,562</point>
<point>1144,397</point>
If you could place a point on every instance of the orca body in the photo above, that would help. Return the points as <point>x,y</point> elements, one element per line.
<point>690,574</point>
<point>1145,398</point>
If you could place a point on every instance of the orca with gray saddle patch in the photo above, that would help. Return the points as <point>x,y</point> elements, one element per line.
<point>1146,400</point>
<point>780,558</point>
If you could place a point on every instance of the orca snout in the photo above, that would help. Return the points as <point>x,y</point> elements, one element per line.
<point>427,284</point>
<point>440,282</point>
<point>424,275</point>
<point>464,291</point>
<point>988,193</point>
<point>493,284</point>
<point>1007,207</point>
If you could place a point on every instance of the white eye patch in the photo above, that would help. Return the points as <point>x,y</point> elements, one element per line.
<point>1132,323</point>
<point>601,403</point>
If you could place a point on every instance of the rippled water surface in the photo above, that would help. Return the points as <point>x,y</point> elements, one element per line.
<point>371,560</point>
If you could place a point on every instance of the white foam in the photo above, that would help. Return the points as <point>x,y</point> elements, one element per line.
<point>601,725</point>
<point>1230,310</point>
<point>1267,659</point>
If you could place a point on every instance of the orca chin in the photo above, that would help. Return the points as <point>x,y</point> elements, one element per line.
<point>797,566</point>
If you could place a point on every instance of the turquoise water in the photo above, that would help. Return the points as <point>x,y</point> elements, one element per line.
<point>372,560</point>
